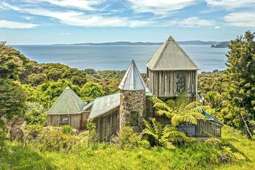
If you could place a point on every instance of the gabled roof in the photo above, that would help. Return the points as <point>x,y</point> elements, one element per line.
<point>170,56</point>
<point>104,104</point>
<point>67,103</point>
<point>132,79</point>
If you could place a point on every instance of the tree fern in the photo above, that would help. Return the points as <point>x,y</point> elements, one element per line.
<point>180,110</point>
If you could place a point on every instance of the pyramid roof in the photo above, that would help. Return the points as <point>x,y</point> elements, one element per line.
<point>132,79</point>
<point>170,56</point>
<point>67,103</point>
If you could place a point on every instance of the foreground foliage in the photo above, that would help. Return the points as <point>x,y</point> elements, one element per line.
<point>233,152</point>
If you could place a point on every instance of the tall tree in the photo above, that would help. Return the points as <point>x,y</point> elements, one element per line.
<point>12,98</point>
<point>241,72</point>
<point>11,62</point>
<point>92,90</point>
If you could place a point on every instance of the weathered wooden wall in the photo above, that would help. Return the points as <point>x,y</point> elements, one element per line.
<point>204,128</point>
<point>77,121</point>
<point>164,83</point>
<point>207,129</point>
<point>84,119</point>
<point>107,125</point>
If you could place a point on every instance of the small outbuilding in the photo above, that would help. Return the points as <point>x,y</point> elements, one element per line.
<point>207,127</point>
<point>69,109</point>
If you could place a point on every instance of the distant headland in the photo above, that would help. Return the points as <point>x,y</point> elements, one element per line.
<point>213,44</point>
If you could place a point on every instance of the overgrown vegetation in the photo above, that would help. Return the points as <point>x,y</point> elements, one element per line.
<point>231,92</point>
<point>211,154</point>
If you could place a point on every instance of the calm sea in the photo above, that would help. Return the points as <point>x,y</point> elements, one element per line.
<point>117,57</point>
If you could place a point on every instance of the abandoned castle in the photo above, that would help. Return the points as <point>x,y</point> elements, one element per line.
<point>169,72</point>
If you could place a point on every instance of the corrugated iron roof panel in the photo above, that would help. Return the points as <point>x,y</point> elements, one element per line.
<point>67,103</point>
<point>104,104</point>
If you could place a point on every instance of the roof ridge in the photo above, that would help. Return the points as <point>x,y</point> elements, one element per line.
<point>160,55</point>
<point>184,53</point>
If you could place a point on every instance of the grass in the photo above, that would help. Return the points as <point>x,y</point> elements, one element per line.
<point>244,145</point>
<point>110,157</point>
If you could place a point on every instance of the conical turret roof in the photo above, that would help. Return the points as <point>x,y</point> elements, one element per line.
<point>67,103</point>
<point>170,56</point>
<point>132,79</point>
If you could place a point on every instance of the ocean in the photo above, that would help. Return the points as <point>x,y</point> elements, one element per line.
<point>117,57</point>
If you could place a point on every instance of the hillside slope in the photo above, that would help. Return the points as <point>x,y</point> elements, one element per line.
<point>111,157</point>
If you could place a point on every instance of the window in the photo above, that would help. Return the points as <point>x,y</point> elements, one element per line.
<point>64,120</point>
<point>134,118</point>
<point>180,82</point>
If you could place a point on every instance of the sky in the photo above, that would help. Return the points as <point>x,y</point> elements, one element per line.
<point>76,21</point>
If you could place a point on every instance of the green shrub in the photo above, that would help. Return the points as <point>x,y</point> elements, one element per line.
<point>35,113</point>
<point>203,155</point>
<point>18,157</point>
<point>178,138</point>
<point>130,139</point>
<point>92,135</point>
<point>67,129</point>
<point>32,132</point>
<point>53,139</point>
<point>2,135</point>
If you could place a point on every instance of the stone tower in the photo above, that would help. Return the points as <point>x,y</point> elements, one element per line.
<point>132,98</point>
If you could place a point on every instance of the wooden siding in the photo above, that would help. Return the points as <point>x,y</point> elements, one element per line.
<point>84,119</point>
<point>164,83</point>
<point>207,129</point>
<point>77,121</point>
<point>107,125</point>
<point>204,128</point>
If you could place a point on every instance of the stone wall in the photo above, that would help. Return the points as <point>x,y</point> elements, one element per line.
<point>132,108</point>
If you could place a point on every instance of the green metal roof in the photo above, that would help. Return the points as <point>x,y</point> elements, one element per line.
<point>104,104</point>
<point>67,103</point>
<point>170,56</point>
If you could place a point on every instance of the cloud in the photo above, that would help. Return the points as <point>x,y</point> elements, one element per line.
<point>230,4</point>
<point>79,4</point>
<point>77,18</point>
<point>159,6</point>
<point>241,19</point>
<point>16,25</point>
<point>193,22</point>
<point>217,27</point>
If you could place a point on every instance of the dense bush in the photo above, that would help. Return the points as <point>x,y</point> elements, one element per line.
<point>163,135</point>
<point>91,91</point>
<point>66,129</point>
<point>179,111</point>
<point>35,114</point>
<point>52,138</point>
<point>195,156</point>
<point>18,157</point>
<point>130,139</point>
